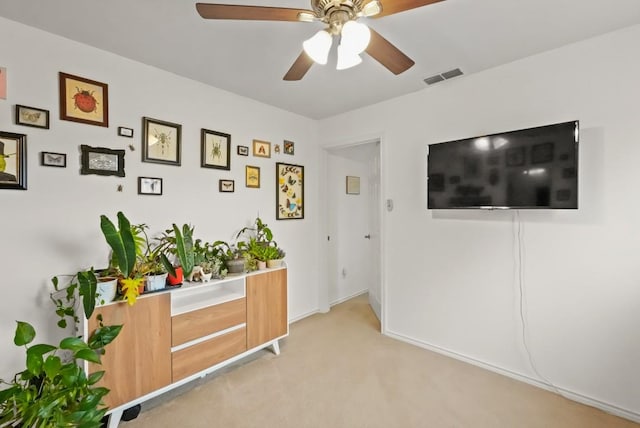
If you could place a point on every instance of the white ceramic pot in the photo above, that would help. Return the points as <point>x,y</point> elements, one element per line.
<point>106,290</point>
<point>156,282</point>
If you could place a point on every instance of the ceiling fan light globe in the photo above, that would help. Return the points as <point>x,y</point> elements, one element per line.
<point>347,58</point>
<point>355,37</point>
<point>318,46</point>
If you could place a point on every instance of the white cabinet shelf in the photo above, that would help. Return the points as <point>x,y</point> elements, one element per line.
<point>192,296</point>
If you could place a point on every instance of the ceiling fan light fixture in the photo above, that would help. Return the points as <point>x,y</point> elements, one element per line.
<point>355,37</point>
<point>372,8</point>
<point>347,58</point>
<point>318,46</point>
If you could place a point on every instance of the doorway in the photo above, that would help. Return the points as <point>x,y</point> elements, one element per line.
<point>353,224</point>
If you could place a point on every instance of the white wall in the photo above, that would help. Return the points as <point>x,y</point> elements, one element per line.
<point>53,227</point>
<point>451,276</point>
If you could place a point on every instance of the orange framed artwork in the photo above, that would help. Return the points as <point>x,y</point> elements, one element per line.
<point>84,100</point>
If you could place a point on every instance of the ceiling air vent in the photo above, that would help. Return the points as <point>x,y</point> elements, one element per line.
<point>446,75</point>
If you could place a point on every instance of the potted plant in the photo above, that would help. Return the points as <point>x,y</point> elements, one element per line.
<point>179,243</point>
<point>208,257</point>
<point>51,391</point>
<point>150,262</point>
<point>232,257</point>
<point>259,231</point>
<point>274,256</point>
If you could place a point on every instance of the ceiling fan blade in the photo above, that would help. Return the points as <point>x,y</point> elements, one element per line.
<point>389,7</point>
<point>251,13</point>
<point>387,54</point>
<point>299,68</point>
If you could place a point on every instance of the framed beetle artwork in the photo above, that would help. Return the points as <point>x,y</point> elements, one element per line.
<point>84,100</point>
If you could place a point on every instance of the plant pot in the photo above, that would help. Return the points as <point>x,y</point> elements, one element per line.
<point>156,282</point>
<point>262,265</point>
<point>235,265</point>
<point>274,263</point>
<point>106,290</point>
<point>176,280</point>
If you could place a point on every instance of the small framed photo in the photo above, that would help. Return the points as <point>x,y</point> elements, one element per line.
<point>31,116</point>
<point>353,185</point>
<point>215,149</point>
<point>261,149</point>
<point>84,100</point>
<point>252,176</point>
<point>289,191</point>
<point>58,160</point>
<point>13,161</point>
<point>226,186</point>
<point>288,147</point>
<point>243,151</point>
<point>125,132</point>
<point>161,141</point>
<point>149,186</point>
<point>101,161</point>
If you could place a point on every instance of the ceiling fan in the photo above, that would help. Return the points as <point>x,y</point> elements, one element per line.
<point>340,17</point>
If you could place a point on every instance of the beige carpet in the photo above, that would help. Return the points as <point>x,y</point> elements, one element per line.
<point>336,370</point>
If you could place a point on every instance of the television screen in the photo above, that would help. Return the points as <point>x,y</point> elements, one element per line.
<point>528,168</point>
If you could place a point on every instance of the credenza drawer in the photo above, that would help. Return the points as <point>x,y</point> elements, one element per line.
<point>203,322</point>
<point>203,355</point>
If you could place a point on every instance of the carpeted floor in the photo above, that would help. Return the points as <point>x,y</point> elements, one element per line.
<point>336,370</point>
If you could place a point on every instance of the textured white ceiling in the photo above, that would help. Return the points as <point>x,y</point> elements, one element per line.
<point>250,58</point>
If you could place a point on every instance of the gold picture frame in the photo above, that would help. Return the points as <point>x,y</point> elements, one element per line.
<point>261,149</point>
<point>84,100</point>
<point>252,176</point>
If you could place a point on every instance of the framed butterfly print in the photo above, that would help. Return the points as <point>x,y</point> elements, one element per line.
<point>289,191</point>
<point>58,160</point>
<point>31,116</point>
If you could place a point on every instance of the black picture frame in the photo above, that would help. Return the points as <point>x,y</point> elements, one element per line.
<point>289,191</point>
<point>125,132</point>
<point>57,160</point>
<point>161,141</point>
<point>13,154</point>
<point>32,116</point>
<point>288,147</point>
<point>243,151</point>
<point>226,186</point>
<point>150,186</point>
<point>215,149</point>
<point>101,161</point>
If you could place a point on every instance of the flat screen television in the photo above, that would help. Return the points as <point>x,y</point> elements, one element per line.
<point>528,168</point>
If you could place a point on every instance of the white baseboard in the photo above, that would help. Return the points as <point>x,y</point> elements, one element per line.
<point>344,299</point>
<point>571,395</point>
<point>305,315</point>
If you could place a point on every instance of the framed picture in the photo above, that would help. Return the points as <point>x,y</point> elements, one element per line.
<point>101,161</point>
<point>125,132</point>
<point>252,176</point>
<point>215,149</point>
<point>226,186</point>
<point>3,83</point>
<point>289,191</point>
<point>84,100</point>
<point>149,186</point>
<point>13,161</point>
<point>243,151</point>
<point>261,149</point>
<point>288,147</point>
<point>161,141</point>
<point>31,116</point>
<point>353,185</point>
<point>58,160</point>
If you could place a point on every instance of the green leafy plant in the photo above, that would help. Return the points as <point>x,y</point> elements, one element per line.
<point>82,286</point>
<point>123,247</point>
<point>259,231</point>
<point>53,392</point>
<point>210,258</point>
<point>178,242</point>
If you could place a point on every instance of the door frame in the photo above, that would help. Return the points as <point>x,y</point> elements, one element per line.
<point>323,296</point>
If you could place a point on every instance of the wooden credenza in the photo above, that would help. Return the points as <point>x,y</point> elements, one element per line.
<point>170,338</point>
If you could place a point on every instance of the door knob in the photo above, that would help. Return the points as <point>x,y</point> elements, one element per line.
<point>367,236</point>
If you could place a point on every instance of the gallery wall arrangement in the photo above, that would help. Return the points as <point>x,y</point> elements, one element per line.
<point>86,101</point>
